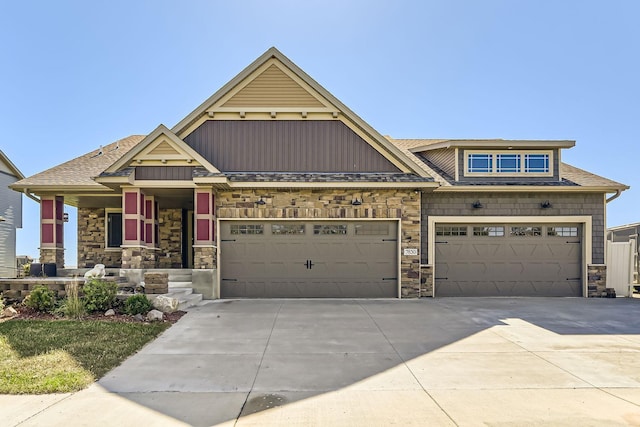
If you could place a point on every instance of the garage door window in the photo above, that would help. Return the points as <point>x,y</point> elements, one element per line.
<point>322,229</point>
<point>562,231</point>
<point>374,229</point>
<point>287,229</point>
<point>526,231</point>
<point>247,229</point>
<point>445,230</point>
<point>491,231</point>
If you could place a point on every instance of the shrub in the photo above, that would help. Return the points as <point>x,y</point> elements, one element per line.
<point>73,306</point>
<point>99,295</point>
<point>41,298</point>
<point>1,303</point>
<point>137,304</point>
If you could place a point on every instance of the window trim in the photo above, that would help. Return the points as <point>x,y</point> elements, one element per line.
<point>108,248</point>
<point>494,163</point>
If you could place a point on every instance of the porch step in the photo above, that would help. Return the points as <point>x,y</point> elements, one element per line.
<point>185,296</point>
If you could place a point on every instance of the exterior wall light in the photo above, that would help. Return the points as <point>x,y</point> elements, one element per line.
<point>65,217</point>
<point>356,202</point>
<point>261,202</point>
<point>546,204</point>
<point>477,205</point>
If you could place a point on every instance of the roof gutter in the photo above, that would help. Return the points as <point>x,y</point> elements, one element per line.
<point>615,196</point>
<point>31,196</point>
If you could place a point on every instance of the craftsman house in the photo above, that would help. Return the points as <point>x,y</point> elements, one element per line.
<point>274,188</point>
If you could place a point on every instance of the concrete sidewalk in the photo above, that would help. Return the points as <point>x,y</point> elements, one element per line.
<point>466,361</point>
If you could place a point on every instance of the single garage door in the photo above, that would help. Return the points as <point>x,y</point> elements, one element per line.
<point>508,260</point>
<point>301,259</point>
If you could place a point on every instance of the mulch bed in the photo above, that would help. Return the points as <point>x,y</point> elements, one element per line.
<point>26,313</point>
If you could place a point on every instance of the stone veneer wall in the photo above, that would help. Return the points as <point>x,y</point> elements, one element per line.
<point>426,281</point>
<point>134,257</point>
<point>170,245</point>
<point>204,257</point>
<point>52,255</point>
<point>92,240</point>
<point>596,280</point>
<point>309,204</point>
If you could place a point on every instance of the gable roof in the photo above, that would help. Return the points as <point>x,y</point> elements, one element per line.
<point>9,164</point>
<point>161,145</point>
<point>78,173</point>
<point>315,90</point>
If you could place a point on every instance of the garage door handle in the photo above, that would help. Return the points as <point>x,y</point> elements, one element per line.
<point>446,278</point>
<point>230,280</point>
<point>309,264</point>
<point>442,242</point>
<point>389,240</point>
<point>227,240</point>
<point>389,278</point>
<point>573,278</point>
<point>574,242</point>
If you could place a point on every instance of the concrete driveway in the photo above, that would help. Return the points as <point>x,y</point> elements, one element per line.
<point>466,361</point>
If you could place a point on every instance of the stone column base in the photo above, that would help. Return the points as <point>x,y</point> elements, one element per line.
<point>596,280</point>
<point>52,255</point>
<point>204,257</point>
<point>426,281</point>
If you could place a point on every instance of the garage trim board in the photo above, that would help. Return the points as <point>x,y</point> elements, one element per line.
<point>584,221</point>
<point>240,231</point>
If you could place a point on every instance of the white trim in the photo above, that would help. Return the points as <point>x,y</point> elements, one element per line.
<point>398,239</point>
<point>584,220</point>
<point>494,163</point>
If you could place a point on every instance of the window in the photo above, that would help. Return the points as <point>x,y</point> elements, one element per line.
<point>247,229</point>
<point>480,163</point>
<point>491,231</point>
<point>372,229</point>
<point>329,229</point>
<point>508,163</point>
<point>536,163</point>
<point>562,231</point>
<point>447,230</point>
<point>287,229</point>
<point>114,229</point>
<point>526,231</point>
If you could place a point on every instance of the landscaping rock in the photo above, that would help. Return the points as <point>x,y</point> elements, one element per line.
<point>154,315</point>
<point>9,312</point>
<point>110,312</point>
<point>166,304</point>
<point>139,317</point>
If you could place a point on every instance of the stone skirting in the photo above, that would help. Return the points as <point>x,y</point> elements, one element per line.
<point>204,257</point>
<point>307,204</point>
<point>52,255</point>
<point>136,257</point>
<point>596,280</point>
<point>426,281</point>
<point>92,240</point>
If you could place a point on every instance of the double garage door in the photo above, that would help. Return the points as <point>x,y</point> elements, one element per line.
<point>508,260</point>
<point>308,259</point>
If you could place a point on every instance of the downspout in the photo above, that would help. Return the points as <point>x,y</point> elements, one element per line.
<point>31,196</point>
<point>615,196</point>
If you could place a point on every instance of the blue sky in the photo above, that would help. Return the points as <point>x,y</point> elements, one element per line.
<point>78,74</point>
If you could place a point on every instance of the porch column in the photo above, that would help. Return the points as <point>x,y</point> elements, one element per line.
<point>204,229</point>
<point>134,245</point>
<point>52,230</point>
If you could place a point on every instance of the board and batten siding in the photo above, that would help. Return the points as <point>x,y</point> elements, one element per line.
<point>169,173</point>
<point>273,88</point>
<point>516,204</point>
<point>286,146</point>
<point>11,210</point>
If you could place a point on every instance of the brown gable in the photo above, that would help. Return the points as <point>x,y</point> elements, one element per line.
<point>273,88</point>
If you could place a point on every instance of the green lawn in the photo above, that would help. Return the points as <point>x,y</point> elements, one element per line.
<point>39,356</point>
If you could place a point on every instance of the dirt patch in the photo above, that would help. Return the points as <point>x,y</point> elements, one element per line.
<point>27,313</point>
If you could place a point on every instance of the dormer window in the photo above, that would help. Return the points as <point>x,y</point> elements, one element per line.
<point>508,163</point>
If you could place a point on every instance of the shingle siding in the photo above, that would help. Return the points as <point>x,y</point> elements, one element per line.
<point>517,204</point>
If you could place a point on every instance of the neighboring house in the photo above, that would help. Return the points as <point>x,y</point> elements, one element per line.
<point>275,188</point>
<point>10,216</point>
<point>628,233</point>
